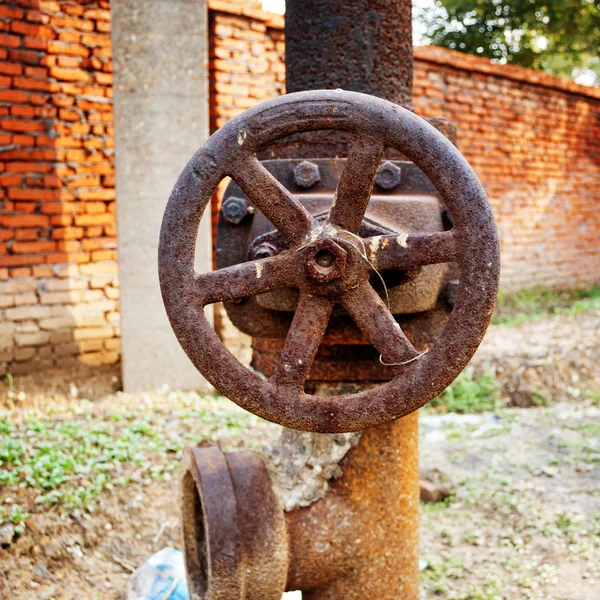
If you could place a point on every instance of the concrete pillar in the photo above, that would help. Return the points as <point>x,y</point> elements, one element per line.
<point>161,118</point>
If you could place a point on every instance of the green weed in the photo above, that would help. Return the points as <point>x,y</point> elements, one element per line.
<point>71,461</point>
<point>469,393</point>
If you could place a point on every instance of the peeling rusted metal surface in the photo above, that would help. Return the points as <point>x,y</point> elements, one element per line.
<point>362,539</point>
<point>374,124</point>
<point>234,532</point>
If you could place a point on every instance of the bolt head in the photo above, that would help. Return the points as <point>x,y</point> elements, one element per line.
<point>388,176</point>
<point>306,174</point>
<point>325,261</point>
<point>264,250</point>
<point>234,209</point>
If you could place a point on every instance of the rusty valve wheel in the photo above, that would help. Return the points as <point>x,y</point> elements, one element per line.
<point>327,262</point>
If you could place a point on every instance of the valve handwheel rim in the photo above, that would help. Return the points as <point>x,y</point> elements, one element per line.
<point>326,260</point>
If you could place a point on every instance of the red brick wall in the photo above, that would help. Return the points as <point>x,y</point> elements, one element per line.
<point>58,269</point>
<point>534,141</point>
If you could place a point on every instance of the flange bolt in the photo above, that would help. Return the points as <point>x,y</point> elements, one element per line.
<point>234,209</point>
<point>388,176</point>
<point>306,174</point>
<point>264,250</point>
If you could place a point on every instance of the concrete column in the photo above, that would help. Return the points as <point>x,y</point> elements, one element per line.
<point>161,118</point>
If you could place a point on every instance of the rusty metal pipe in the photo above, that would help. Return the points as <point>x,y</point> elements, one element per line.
<point>358,45</point>
<point>359,541</point>
<point>362,539</point>
<point>366,46</point>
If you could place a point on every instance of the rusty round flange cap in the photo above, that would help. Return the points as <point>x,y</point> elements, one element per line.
<point>327,262</point>
<point>234,532</point>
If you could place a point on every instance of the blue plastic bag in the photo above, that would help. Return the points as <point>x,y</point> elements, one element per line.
<point>161,577</point>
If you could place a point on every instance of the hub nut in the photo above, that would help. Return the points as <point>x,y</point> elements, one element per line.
<point>306,174</point>
<point>325,261</point>
<point>388,176</point>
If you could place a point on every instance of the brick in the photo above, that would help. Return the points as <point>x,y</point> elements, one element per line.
<point>106,194</point>
<point>61,220</point>
<point>99,268</point>
<point>19,125</point>
<point>97,14</point>
<point>61,47</point>
<point>13,96</point>
<point>89,333</point>
<point>70,297</point>
<point>29,29</point>
<point>26,234</point>
<point>9,180</point>
<point>24,221</point>
<point>26,299</point>
<point>99,219</point>
<point>70,74</point>
<point>67,233</point>
<point>36,72</point>
<point>32,339</point>
<point>19,260</point>
<point>11,13</point>
<point>86,346</point>
<point>62,285</point>
<point>10,68</point>
<point>12,41</point>
<point>20,273</point>
<point>42,272</point>
<point>32,247</point>
<point>35,84</point>
<point>28,312</point>
<point>17,286</point>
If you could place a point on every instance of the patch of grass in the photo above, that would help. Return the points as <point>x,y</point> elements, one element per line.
<point>469,393</point>
<point>536,303</point>
<point>70,461</point>
<point>433,508</point>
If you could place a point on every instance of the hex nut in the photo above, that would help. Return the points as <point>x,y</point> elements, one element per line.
<point>234,209</point>
<point>388,175</point>
<point>264,250</point>
<point>323,273</point>
<point>306,174</point>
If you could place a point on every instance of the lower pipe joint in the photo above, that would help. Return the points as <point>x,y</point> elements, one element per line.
<point>234,531</point>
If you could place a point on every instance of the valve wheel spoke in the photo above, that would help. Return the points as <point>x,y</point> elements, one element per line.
<point>302,342</point>
<point>356,183</point>
<point>272,199</point>
<point>411,250</point>
<point>246,279</point>
<point>378,324</point>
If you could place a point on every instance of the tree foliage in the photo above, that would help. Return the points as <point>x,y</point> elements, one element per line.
<point>560,37</point>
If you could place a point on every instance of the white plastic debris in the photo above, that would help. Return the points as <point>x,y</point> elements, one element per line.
<point>161,577</point>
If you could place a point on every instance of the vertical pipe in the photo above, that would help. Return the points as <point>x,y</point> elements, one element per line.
<point>362,540</point>
<point>363,46</point>
<point>358,45</point>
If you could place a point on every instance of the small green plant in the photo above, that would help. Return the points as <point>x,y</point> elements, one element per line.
<point>16,516</point>
<point>469,393</point>
<point>8,380</point>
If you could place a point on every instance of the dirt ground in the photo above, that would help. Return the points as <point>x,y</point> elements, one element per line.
<point>524,521</point>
